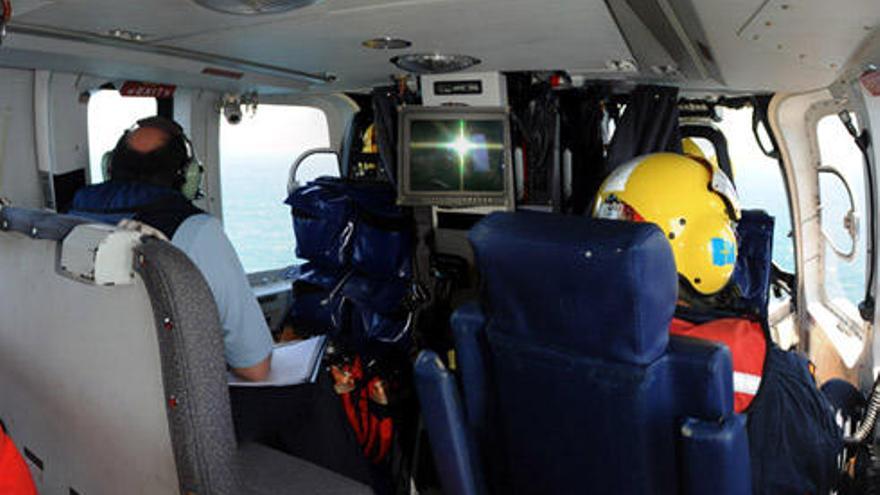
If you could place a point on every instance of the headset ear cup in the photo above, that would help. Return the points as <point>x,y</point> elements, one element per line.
<point>192,180</point>
<point>106,160</point>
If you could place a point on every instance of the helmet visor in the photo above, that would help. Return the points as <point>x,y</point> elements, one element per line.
<point>612,208</point>
<point>722,185</point>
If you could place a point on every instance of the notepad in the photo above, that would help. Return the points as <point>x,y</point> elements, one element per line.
<point>292,364</point>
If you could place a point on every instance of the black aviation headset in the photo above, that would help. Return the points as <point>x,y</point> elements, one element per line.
<point>177,161</point>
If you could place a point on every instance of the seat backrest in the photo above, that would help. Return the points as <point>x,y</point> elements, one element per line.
<point>111,360</point>
<point>754,232</point>
<point>578,312</point>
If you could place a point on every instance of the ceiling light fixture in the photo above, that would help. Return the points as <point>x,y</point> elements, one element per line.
<point>125,34</point>
<point>254,7</point>
<point>387,43</point>
<point>434,63</point>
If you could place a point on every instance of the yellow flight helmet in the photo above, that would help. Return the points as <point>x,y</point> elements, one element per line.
<point>692,201</point>
<point>369,140</point>
<point>690,148</point>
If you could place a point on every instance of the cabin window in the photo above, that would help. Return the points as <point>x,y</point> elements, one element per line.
<point>759,181</point>
<point>845,235</point>
<point>110,114</point>
<point>255,160</point>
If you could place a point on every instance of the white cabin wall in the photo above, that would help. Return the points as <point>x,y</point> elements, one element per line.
<point>64,120</point>
<point>18,169</point>
<point>790,124</point>
<point>70,124</point>
<point>196,110</point>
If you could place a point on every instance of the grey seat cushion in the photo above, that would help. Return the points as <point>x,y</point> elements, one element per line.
<point>265,471</point>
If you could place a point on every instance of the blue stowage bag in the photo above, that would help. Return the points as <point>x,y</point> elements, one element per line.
<point>793,437</point>
<point>313,309</point>
<point>322,219</point>
<point>359,246</point>
<point>382,245</point>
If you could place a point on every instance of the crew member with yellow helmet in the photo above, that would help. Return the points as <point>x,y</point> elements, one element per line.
<point>696,206</point>
<point>793,438</point>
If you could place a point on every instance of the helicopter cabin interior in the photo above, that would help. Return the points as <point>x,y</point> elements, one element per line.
<point>398,176</point>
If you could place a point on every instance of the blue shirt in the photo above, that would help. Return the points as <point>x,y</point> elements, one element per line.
<point>245,334</point>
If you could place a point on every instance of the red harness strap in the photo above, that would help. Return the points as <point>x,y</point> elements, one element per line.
<point>14,474</point>
<point>747,345</point>
<point>373,429</point>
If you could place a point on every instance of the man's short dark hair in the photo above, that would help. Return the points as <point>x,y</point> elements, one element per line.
<point>160,166</point>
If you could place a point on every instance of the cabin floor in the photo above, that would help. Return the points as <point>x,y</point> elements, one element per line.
<point>827,361</point>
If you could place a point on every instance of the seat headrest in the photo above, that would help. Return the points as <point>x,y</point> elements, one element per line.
<point>91,253</point>
<point>601,288</point>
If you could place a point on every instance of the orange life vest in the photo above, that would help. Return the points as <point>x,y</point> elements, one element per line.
<point>747,345</point>
<point>14,474</point>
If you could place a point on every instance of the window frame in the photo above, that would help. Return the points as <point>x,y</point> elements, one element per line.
<point>849,320</point>
<point>866,216</point>
<point>89,175</point>
<point>269,277</point>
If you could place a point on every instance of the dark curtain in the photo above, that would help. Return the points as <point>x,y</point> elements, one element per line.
<point>385,119</point>
<point>649,124</point>
<point>352,140</point>
<point>581,134</point>
<point>385,103</point>
<point>534,109</point>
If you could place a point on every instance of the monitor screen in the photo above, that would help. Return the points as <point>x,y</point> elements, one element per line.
<point>454,157</point>
<point>457,155</point>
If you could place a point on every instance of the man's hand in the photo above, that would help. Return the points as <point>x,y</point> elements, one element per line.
<point>142,228</point>
<point>256,373</point>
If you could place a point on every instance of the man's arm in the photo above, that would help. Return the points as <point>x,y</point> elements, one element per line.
<point>246,337</point>
<point>256,373</point>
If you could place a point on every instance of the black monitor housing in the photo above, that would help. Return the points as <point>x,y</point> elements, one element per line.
<point>454,157</point>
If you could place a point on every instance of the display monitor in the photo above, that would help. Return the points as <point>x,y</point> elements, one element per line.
<point>454,157</point>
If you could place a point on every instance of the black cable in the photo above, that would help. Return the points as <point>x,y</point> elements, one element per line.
<point>759,116</point>
<point>863,142</point>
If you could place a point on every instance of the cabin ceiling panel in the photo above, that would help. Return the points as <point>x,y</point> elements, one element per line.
<point>577,35</point>
<point>759,43</point>
<point>154,19</point>
<point>107,63</point>
<point>505,34</point>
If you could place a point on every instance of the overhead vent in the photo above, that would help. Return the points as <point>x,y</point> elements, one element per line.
<point>434,63</point>
<point>254,7</point>
<point>667,37</point>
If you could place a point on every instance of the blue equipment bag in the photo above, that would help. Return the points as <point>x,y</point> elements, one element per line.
<point>312,308</point>
<point>754,234</point>
<point>358,282</point>
<point>382,246</point>
<point>322,223</point>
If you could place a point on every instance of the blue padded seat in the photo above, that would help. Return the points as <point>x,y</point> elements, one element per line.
<point>754,232</point>
<point>570,382</point>
<point>544,271</point>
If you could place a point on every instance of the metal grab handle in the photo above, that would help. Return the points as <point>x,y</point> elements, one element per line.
<point>292,183</point>
<point>850,220</point>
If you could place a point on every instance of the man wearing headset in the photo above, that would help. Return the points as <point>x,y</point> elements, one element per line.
<point>154,176</point>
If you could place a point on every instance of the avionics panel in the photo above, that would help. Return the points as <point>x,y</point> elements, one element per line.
<point>454,156</point>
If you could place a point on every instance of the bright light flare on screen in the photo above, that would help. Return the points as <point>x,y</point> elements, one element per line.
<point>462,146</point>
